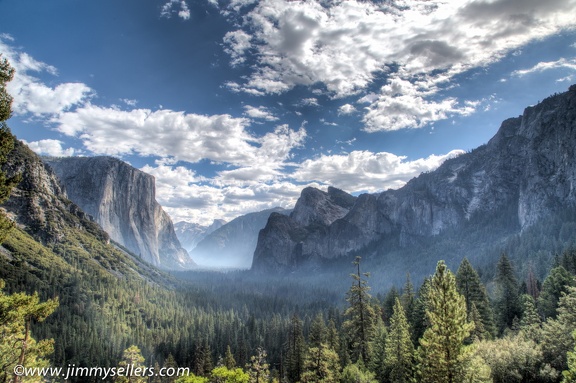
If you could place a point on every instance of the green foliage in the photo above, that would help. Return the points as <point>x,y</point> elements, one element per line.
<point>357,373</point>
<point>132,360</point>
<point>258,368</point>
<point>321,365</point>
<point>570,374</point>
<point>442,355</point>
<point>225,375</point>
<point>296,350</point>
<point>229,361</point>
<point>192,379</point>
<point>18,312</point>
<point>507,294</point>
<point>399,358</point>
<point>318,331</point>
<point>557,338</point>
<point>6,75</point>
<point>361,317</point>
<point>515,359</point>
<point>474,292</point>
<point>555,284</point>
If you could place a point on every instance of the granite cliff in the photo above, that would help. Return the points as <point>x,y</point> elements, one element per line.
<point>122,201</point>
<point>525,173</point>
<point>190,234</point>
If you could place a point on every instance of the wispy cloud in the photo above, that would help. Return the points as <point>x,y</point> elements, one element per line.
<point>178,7</point>
<point>548,65</point>
<point>51,147</point>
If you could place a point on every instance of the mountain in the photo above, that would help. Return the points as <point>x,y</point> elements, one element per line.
<point>122,201</point>
<point>233,244</point>
<point>524,175</point>
<point>190,234</point>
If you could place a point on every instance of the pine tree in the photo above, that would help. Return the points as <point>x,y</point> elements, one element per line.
<point>507,294</point>
<point>555,284</point>
<point>399,348</point>
<point>318,331</point>
<point>361,316</point>
<point>441,354</point>
<point>229,360</point>
<point>17,346</point>
<point>296,350</point>
<point>470,286</point>
<point>321,365</point>
<point>132,360</point>
<point>420,320</point>
<point>6,144</point>
<point>408,299</point>
<point>378,361</point>
<point>258,368</point>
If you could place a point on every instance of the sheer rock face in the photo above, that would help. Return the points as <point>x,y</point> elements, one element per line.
<point>122,200</point>
<point>527,170</point>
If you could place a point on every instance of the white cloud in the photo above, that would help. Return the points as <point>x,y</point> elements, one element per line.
<point>260,112</point>
<point>185,196</point>
<point>344,44</point>
<point>346,109</point>
<point>185,137</point>
<point>401,104</point>
<point>236,44</point>
<point>31,95</point>
<point>169,8</point>
<point>51,147</point>
<point>365,171</point>
<point>547,65</point>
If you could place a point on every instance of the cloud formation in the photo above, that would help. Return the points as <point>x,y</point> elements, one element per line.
<point>50,147</point>
<point>33,96</point>
<point>345,45</point>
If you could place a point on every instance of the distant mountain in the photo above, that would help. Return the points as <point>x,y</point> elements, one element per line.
<point>122,199</point>
<point>524,175</point>
<point>190,234</point>
<point>233,244</point>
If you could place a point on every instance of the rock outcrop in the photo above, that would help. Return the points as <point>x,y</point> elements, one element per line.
<point>526,172</point>
<point>122,200</point>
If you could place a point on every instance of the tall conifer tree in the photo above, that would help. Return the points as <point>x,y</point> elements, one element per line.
<point>399,348</point>
<point>442,355</point>
<point>361,316</point>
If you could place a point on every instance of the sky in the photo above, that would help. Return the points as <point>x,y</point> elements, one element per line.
<point>235,106</point>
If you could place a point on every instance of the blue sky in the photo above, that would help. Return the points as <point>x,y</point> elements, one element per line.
<point>235,106</point>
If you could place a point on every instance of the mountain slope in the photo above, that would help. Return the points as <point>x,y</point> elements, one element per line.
<point>524,174</point>
<point>233,244</point>
<point>190,234</point>
<point>122,200</point>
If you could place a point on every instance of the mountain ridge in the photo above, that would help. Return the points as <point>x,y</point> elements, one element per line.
<point>122,199</point>
<point>528,170</point>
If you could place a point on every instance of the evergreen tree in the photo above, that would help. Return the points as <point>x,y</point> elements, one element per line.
<point>530,318</point>
<point>6,144</point>
<point>555,284</point>
<point>332,336</point>
<point>408,299</point>
<point>507,294</point>
<point>296,350</point>
<point>132,360</point>
<point>399,348</point>
<point>258,368</point>
<point>470,286</point>
<point>17,346</point>
<point>479,332</point>
<point>378,361</point>
<point>361,316</point>
<point>388,304</point>
<point>321,365</point>
<point>570,373</point>
<point>318,331</point>
<point>420,320</point>
<point>229,360</point>
<point>442,355</point>
<point>557,338</point>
